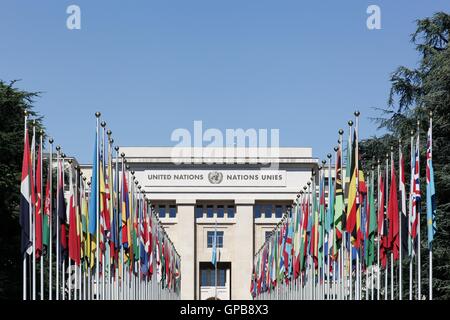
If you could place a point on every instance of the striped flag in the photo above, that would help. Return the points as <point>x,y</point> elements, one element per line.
<point>381,220</point>
<point>38,205</point>
<point>338,204</point>
<point>25,199</point>
<point>125,211</point>
<point>47,214</point>
<point>416,198</point>
<point>372,224</point>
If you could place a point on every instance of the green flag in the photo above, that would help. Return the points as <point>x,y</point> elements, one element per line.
<point>372,224</point>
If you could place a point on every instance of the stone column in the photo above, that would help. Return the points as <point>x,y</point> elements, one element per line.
<point>185,246</point>
<point>241,268</point>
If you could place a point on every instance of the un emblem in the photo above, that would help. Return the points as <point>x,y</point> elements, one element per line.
<point>215,177</point>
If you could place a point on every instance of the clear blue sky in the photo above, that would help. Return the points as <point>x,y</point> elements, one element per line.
<point>153,66</point>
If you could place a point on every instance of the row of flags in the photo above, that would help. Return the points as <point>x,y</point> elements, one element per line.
<point>108,240</point>
<point>346,226</point>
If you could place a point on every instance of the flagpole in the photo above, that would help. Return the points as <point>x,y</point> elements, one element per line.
<point>58,182</point>
<point>358,210</point>
<point>372,182</point>
<point>111,210</point>
<point>419,267</point>
<point>122,265</point>
<point>24,266</point>
<point>42,212</point>
<point>97,216</point>
<point>69,264</point>
<point>33,207</point>
<point>350,124</point>
<point>215,256</point>
<point>393,244</point>
<point>385,220</point>
<point>322,235</point>
<point>103,124</point>
<point>378,232</point>
<point>50,267</point>
<point>118,222</point>
<point>430,285</point>
<point>400,215</point>
<point>64,260</point>
<point>329,245</point>
<point>410,240</point>
<point>342,251</point>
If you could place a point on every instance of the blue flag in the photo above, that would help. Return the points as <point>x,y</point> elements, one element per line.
<point>431,202</point>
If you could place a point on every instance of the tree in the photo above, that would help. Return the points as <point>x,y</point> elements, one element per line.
<point>13,103</point>
<point>414,94</point>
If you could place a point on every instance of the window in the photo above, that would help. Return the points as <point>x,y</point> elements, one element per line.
<point>210,239</point>
<point>268,234</point>
<point>162,211</point>
<point>221,277</point>
<point>209,212</point>
<point>208,277</point>
<point>199,212</point>
<point>172,211</point>
<point>278,211</point>
<point>230,211</point>
<point>220,211</point>
<point>268,211</point>
<point>257,211</point>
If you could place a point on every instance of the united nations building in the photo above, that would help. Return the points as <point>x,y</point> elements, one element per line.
<point>240,193</point>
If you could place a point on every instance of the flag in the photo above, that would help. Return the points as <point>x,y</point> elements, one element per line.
<point>74,246</point>
<point>431,194</point>
<point>125,211</point>
<point>25,201</point>
<point>61,214</point>
<point>275,259</point>
<point>404,216</point>
<point>393,240</point>
<point>381,220</point>
<point>115,241</point>
<point>329,221</point>
<point>287,253</point>
<point>85,226</point>
<point>321,220</point>
<point>144,239</point>
<point>38,205</point>
<point>339,203</point>
<point>305,231</point>
<point>416,197</point>
<point>297,235</point>
<point>47,214</point>
<point>315,231</point>
<point>372,223</point>
<point>352,195</point>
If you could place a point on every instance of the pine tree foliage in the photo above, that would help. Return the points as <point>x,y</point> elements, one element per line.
<point>414,94</point>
